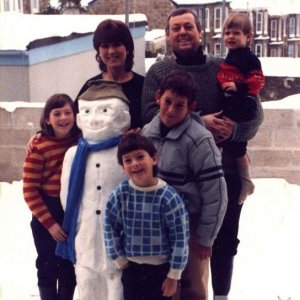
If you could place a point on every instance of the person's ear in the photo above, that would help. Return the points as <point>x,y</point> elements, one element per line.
<point>157,97</point>
<point>192,106</point>
<point>249,37</point>
<point>154,158</point>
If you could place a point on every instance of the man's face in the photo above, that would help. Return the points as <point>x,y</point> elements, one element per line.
<point>183,35</point>
<point>102,119</point>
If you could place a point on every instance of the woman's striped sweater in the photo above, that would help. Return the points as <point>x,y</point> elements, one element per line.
<point>41,174</point>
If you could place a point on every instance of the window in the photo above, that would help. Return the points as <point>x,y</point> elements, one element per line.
<point>274,29</point>
<point>298,26</point>
<point>206,19</point>
<point>6,5</point>
<point>259,22</point>
<point>273,53</point>
<point>217,49</point>
<point>218,19</point>
<point>258,50</point>
<point>292,26</point>
<point>291,50</point>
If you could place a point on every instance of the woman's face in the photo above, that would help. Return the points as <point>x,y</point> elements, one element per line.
<point>113,55</point>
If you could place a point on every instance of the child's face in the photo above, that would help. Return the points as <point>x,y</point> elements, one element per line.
<point>234,38</point>
<point>173,108</point>
<point>62,120</point>
<point>138,165</point>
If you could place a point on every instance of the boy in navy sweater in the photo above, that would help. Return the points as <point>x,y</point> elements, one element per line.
<point>146,226</point>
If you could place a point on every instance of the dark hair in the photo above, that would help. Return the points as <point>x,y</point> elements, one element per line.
<point>135,141</point>
<point>239,21</point>
<point>114,31</point>
<point>181,83</point>
<point>56,101</point>
<point>183,11</point>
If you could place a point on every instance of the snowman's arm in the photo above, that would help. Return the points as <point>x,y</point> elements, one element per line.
<point>65,175</point>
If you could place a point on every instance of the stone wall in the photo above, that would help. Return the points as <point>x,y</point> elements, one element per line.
<point>274,152</point>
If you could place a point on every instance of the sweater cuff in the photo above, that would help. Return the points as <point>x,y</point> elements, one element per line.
<point>175,274</point>
<point>120,262</point>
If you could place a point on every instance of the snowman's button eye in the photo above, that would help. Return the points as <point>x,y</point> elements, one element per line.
<point>104,109</point>
<point>87,111</point>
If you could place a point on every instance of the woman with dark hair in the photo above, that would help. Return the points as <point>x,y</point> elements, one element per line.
<point>115,53</point>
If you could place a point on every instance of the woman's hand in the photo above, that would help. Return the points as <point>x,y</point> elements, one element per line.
<point>30,143</point>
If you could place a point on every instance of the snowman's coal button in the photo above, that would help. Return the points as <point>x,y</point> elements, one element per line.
<point>98,212</point>
<point>97,165</point>
<point>98,187</point>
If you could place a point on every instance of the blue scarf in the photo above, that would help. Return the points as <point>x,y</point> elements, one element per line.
<point>66,249</point>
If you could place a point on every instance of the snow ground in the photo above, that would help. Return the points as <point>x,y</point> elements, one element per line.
<point>266,267</point>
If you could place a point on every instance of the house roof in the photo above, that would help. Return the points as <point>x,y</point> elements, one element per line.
<point>17,31</point>
<point>195,2</point>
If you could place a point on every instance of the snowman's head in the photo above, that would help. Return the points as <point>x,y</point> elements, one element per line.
<point>103,112</point>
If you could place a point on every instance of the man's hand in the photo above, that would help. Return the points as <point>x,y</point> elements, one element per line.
<point>202,252</point>
<point>57,232</point>
<point>221,128</point>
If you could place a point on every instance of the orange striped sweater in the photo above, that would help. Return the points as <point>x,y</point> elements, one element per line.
<point>41,174</point>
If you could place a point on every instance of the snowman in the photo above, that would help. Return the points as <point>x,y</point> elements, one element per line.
<point>90,173</point>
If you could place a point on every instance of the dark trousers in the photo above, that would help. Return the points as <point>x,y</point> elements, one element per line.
<point>225,246</point>
<point>51,269</point>
<point>144,282</point>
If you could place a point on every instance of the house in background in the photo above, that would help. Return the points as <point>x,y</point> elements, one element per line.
<point>276,33</point>
<point>54,53</point>
<point>276,29</point>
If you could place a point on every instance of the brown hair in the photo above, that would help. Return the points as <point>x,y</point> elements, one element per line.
<point>135,141</point>
<point>181,83</point>
<point>114,31</point>
<point>239,21</point>
<point>56,101</point>
<point>183,11</point>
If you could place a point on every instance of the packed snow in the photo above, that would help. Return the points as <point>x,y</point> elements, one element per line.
<point>267,265</point>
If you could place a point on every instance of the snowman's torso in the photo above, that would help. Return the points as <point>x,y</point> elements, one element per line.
<point>102,175</point>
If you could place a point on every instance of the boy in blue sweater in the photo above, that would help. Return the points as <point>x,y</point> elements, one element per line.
<point>190,161</point>
<point>146,225</point>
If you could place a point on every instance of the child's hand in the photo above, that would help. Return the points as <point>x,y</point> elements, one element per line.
<point>169,287</point>
<point>229,86</point>
<point>57,232</point>
<point>202,252</point>
<point>31,140</point>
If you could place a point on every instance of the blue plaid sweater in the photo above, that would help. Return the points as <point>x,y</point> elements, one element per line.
<point>147,225</point>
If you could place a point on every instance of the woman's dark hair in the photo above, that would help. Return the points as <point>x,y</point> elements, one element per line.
<point>135,141</point>
<point>112,32</point>
<point>180,83</point>
<point>56,101</point>
<point>183,11</point>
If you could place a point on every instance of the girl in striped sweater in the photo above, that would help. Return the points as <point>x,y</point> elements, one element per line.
<point>41,189</point>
